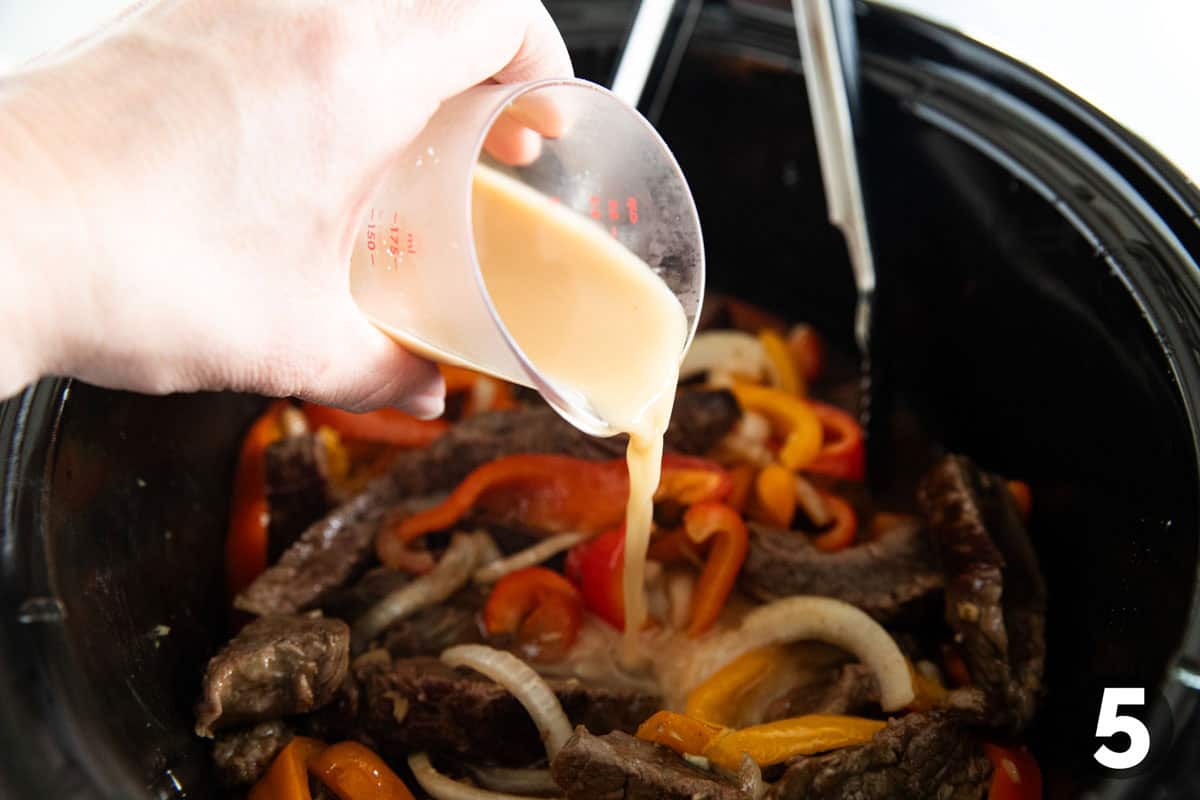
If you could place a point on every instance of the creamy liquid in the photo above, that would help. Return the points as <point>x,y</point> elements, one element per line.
<point>598,323</point>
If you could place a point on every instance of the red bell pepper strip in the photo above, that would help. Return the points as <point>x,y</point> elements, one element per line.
<point>730,541</point>
<point>246,540</point>
<point>1022,497</point>
<point>558,493</point>
<point>742,479</point>
<point>355,773</point>
<point>807,350</point>
<point>537,606</point>
<point>385,425</point>
<point>287,777</point>
<point>845,525</point>
<point>842,454</point>
<point>1015,776</point>
<point>597,567</point>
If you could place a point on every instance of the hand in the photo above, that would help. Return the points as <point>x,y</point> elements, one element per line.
<point>189,182</point>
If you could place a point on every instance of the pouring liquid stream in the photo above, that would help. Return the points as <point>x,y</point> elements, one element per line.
<point>599,324</point>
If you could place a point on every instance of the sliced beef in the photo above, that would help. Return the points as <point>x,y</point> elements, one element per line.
<point>350,602</point>
<point>995,594</point>
<point>431,630</point>
<point>421,704</point>
<point>297,489</point>
<point>337,548</point>
<point>879,577</point>
<point>847,689</point>
<point>243,756</point>
<point>617,766</point>
<point>276,666</point>
<point>928,756</point>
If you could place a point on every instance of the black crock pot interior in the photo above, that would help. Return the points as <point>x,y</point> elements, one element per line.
<point>1039,312</point>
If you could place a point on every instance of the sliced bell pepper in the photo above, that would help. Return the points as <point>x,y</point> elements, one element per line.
<point>385,425</point>
<point>927,692</point>
<point>246,540</point>
<point>730,541</point>
<point>355,773</point>
<point>742,480</point>
<point>845,525</point>
<point>779,741</point>
<point>719,699</point>
<point>780,364</point>
<point>681,733</point>
<point>842,454</point>
<point>1022,497</point>
<point>675,547</point>
<point>790,416</point>
<point>1015,776</point>
<point>774,496</point>
<point>287,777</point>
<point>537,606</point>
<point>807,350</point>
<point>555,494</point>
<point>598,567</point>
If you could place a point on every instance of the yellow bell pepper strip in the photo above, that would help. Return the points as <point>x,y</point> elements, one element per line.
<point>927,692</point>
<point>681,733</point>
<point>246,540</point>
<point>386,425</point>
<point>780,365</point>
<point>1022,497</point>
<point>791,417</point>
<point>355,773</point>
<point>845,526</point>
<point>776,742</point>
<point>807,350</point>
<point>287,777</point>
<point>730,541</point>
<point>774,497</point>
<point>1016,774</point>
<point>718,700</point>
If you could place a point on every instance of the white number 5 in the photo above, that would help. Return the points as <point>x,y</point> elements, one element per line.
<point>1110,722</point>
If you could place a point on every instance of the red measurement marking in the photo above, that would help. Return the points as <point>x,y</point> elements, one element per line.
<point>613,231</point>
<point>412,244</point>
<point>372,215</point>
<point>631,206</point>
<point>372,259</point>
<point>371,235</point>
<point>613,213</point>
<point>595,201</point>
<point>555,199</point>
<point>396,218</point>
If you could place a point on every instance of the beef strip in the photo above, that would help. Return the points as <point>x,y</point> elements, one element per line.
<point>338,547</point>
<point>847,689</point>
<point>995,594</point>
<point>617,766</point>
<point>297,492</point>
<point>243,756</point>
<point>274,667</point>
<point>431,630</point>
<point>879,577</point>
<point>422,704</point>
<point>351,602</point>
<point>927,756</point>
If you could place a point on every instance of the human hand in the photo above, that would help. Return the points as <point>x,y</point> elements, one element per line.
<point>190,183</point>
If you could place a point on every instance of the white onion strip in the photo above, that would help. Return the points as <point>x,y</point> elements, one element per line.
<point>516,781</point>
<point>530,556</point>
<point>724,351</point>
<point>441,787</point>
<point>448,576</point>
<point>824,619</point>
<point>523,683</point>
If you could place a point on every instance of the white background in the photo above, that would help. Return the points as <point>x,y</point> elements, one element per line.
<point>1138,60</point>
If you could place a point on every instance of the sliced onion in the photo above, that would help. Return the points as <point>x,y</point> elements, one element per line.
<point>529,557</point>
<point>680,585</point>
<point>812,503</point>
<point>724,351</point>
<point>452,571</point>
<point>441,787</point>
<point>824,619</point>
<point>516,781</point>
<point>523,683</point>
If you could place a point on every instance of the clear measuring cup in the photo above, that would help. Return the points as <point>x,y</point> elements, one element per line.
<point>414,270</point>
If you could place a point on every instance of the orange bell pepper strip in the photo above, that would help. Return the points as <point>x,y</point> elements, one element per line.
<point>807,350</point>
<point>1015,776</point>
<point>385,425</point>
<point>776,742</point>
<point>790,416</point>
<point>1022,497</point>
<point>597,567</point>
<point>718,700</point>
<point>842,454</point>
<point>287,777</point>
<point>780,364</point>
<point>730,541</point>
<point>355,773</point>
<point>246,540</point>
<point>742,479</point>
<point>927,692</point>
<point>537,606</point>
<point>553,493</point>
<point>845,525</point>
<point>681,733</point>
<point>774,496</point>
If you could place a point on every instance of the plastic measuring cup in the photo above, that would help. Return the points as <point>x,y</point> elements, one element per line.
<point>414,270</point>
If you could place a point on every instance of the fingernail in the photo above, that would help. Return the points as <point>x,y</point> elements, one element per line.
<point>424,406</point>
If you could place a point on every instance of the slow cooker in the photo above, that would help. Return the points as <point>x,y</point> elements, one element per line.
<point>1040,310</point>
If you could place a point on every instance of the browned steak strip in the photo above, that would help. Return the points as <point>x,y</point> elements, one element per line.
<point>421,704</point>
<point>918,757</point>
<point>618,766</point>
<point>297,475</point>
<point>848,689</point>
<point>243,756</point>
<point>275,667</point>
<point>879,577</point>
<point>995,594</point>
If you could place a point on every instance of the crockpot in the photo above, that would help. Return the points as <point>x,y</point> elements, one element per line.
<point>1040,311</point>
